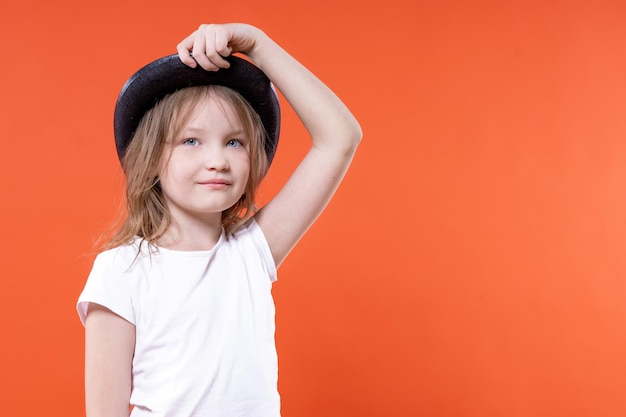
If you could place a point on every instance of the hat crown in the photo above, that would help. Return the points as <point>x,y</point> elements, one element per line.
<point>168,75</point>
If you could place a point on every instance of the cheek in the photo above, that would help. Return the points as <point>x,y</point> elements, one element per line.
<point>174,164</point>
<point>243,162</point>
<point>163,166</point>
<point>171,177</point>
<point>248,170</point>
<point>245,172</point>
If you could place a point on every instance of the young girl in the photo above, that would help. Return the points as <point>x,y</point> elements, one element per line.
<point>178,310</point>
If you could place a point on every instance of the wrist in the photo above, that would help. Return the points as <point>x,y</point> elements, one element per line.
<point>260,47</point>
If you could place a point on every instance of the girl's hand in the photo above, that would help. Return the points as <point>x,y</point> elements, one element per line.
<point>209,44</point>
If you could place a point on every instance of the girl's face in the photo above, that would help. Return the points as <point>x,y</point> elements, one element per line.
<point>206,168</point>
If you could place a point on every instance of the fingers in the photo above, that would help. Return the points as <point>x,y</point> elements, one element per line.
<point>206,47</point>
<point>184,52</point>
<point>222,39</point>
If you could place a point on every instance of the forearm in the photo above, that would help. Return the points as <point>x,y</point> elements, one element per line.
<point>323,114</point>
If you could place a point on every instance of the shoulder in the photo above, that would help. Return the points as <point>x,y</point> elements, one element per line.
<point>124,256</point>
<point>109,282</point>
<point>248,228</point>
<point>250,232</point>
<point>113,269</point>
<point>250,242</point>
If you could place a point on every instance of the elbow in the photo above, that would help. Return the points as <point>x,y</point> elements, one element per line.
<point>358,134</point>
<point>342,140</point>
<point>348,145</point>
<point>355,135</point>
<point>351,144</point>
<point>351,132</point>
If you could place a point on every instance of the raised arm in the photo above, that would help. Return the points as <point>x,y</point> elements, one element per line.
<point>334,131</point>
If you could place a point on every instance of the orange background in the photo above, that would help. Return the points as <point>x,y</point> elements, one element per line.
<point>472,264</point>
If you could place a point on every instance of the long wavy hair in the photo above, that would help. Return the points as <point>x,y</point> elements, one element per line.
<point>146,215</point>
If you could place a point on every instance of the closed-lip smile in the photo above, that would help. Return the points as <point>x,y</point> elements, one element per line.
<point>215,183</point>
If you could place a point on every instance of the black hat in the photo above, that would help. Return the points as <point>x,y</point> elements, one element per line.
<point>167,75</point>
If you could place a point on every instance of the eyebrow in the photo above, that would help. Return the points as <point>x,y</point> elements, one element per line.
<point>194,130</point>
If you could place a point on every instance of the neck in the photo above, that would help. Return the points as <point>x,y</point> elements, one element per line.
<point>192,234</point>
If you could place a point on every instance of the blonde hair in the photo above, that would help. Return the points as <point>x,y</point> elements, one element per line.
<point>146,214</point>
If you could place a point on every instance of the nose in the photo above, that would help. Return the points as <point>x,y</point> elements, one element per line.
<point>215,159</point>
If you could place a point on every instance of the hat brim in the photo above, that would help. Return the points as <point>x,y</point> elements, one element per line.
<point>168,75</point>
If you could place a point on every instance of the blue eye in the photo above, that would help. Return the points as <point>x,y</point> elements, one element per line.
<point>234,143</point>
<point>191,142</point>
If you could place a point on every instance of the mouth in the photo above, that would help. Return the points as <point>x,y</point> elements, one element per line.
<point>215,183</point>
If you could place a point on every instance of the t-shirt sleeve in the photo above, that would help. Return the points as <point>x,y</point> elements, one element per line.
<point>263,248</point>
<point>108,285</point>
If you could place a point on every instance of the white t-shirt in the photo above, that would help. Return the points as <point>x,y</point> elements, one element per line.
<point>204,325</point>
